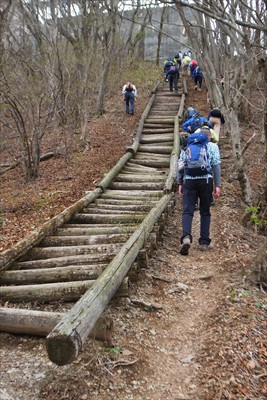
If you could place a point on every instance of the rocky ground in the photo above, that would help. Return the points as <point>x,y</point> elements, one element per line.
<point>194,328</point>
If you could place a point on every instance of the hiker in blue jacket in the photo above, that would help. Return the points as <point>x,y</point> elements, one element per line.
<point>199,186</point>
<point>195,122</point>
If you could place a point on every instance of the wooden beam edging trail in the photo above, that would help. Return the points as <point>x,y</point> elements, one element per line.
<point>67,338</point>
<point>181,108</point>
<point>134,147</point>
<point>184,86</point>
<point>172,177</point>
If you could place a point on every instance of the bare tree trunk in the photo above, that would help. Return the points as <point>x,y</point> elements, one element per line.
<point>238,159</point>
<point>105,64</point>
<point>160,33</point>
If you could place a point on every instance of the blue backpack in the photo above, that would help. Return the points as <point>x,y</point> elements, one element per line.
<point>196,161</point>
<point>189,113</point>
<point>196,123</point>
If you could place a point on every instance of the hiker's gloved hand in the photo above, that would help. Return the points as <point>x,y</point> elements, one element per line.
<point>217,192</point>
<point>180,190</point>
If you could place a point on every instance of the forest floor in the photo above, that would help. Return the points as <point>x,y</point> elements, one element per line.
<point>193,328</point>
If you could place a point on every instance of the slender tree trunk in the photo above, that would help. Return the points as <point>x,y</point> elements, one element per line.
<point>160,34</point>
<point>238,159</point>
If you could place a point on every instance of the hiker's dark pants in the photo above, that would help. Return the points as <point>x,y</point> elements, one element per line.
<point>129,102</point>
<point>192,190</point>
<point>198,80</point>
<point>173,79</point>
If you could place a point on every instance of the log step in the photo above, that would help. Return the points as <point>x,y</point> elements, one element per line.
<point>136,185</point>
<point>112,218</point>
<point>156,138</point>
<point>129,202</point>
<point>154,163</point>
<point>64,261</point>
<point>51,275</point>
<point>83,240</point>
<point>157,149</point>
<point>140,178</point>
<point>119,207</point>
<point>40,323</point>
<point>92,229</point>
<point>44,253</point>
<point>44,293</point>
<point>142,194</point>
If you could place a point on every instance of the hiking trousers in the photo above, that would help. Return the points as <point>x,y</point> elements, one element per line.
<point>198,80</point>
<point>192,190</point>
<point>129,102</point>
<point>173,79</point>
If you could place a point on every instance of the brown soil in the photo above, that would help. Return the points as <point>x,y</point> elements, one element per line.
<point>194,328</point>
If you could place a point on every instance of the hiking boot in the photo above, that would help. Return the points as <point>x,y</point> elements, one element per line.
<point>195,87</point>
<point>205,247</point>
<point>185,246</point>
<point>199,90</point>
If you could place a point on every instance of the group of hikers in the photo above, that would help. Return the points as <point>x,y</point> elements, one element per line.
<point>172,68</point>
<point>199,173</point>
<point>199,163</point>
<point>182,61</point>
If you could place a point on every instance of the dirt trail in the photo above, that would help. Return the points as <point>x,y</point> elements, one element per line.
<point>162,332</point>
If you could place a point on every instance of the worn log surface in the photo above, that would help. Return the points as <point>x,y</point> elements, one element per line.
<point>40,323</point>
<point>63,345</point>
<point>85,253</point>
<point>69,273</point>
<point>50,292</point>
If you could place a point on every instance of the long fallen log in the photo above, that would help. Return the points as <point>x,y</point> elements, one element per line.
<point>41,323</point>
<point>63,291</point>
<point>66,339</point>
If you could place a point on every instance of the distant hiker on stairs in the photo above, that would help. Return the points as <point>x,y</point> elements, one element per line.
<point>129,94</point>
<point>173,78</point>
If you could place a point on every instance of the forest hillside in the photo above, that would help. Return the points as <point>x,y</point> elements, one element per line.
<point>203,336</point>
